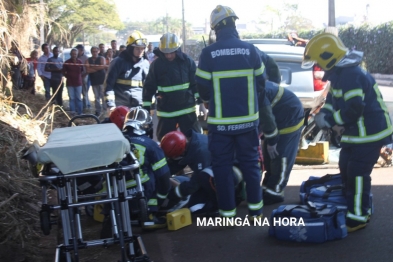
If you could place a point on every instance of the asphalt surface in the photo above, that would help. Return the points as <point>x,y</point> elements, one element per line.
<point>249,243</point>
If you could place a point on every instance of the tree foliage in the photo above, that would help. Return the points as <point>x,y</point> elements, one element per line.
<point>283,17</point>
<point>156,27</point>
<point>67,19</point>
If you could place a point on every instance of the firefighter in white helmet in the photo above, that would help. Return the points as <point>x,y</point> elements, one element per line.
<point>127,73</point>
<point>171,79</point>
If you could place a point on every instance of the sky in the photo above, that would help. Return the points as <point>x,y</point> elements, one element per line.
<point>196,12</point>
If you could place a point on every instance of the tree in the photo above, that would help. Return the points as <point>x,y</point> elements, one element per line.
<point>156,27</point>
<point>68,19</point>
<point>284,17</point>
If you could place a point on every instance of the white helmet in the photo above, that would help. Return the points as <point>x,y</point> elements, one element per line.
<point>220,13</point>
<point>169,43</point>
<point>139,119</point>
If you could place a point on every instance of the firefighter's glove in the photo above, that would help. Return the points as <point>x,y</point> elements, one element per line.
<point>338,130</point>
<point>203,110</point>
<point>321,122</point>
<point>272,151</point>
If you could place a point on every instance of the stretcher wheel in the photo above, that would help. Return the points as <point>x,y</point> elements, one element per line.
<point>143,214</point>
<point>45,222</point>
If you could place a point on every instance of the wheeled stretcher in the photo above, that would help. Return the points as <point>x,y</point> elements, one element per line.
<point>76,161</point>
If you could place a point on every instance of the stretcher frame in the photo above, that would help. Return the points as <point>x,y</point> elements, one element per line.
<point>69,204</point>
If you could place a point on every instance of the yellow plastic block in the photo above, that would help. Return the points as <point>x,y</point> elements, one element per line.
<point>97,213</point>
<point>314,155</point>
<point>178,219</point>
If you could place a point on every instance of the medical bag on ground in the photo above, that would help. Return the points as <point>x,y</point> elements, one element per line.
<point>326,190</point>
<point>315,181</point>
<point>303,223</point>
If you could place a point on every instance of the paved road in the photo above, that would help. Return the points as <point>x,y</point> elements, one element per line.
<point>250,244</point>
<point>387,93</point>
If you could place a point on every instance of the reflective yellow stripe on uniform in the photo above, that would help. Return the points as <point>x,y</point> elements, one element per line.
<point>177,191</point>
<point>203,74</point>
<point>228,213</point>
<point>270,135</point>
<point>278,96</point>
<point>336,92</point>
<point>152,202</point>
<point>291,129</point>
<point>146,103</point>
<point>132,182</point>
<point>217,76</point>
<point>130,82</point>
<point>337,117</point>
<point>260,70</point>
<point>256,206</point>
<point>282,173</point>
<point>367,139</point>
<point>161,196</point>
<point>141,153</point>
<point>382,104</point>
<point>176,113</point>
<point>232,120</point>
<point>329,107</point>
<point>352,93</point>
<point>361,127</point>
<point>159,164</point>
<point>166,89</point>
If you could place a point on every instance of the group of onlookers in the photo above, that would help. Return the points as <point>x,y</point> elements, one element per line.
<point>80,72</point>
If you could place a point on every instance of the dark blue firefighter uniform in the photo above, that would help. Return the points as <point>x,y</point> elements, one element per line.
<point>153,164</point>
<point>228,74</point>
<point>355,102</point>
<point>289,116</point>
<point>197,155</point>
<point>202,191</point>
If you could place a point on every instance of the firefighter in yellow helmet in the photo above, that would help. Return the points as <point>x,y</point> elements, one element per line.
<point>127,73</point>
<point>171,79</point>
<point>355,110</point>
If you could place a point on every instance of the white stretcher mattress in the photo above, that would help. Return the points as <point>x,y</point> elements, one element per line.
<point>77,148</point>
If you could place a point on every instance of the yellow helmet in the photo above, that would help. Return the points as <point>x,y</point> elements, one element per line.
<point>324,49</point>
<point>137,39</point>
<point>169,43</point>
<point>220,13</point>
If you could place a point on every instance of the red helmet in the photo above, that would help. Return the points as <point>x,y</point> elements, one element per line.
<point>118,115</point>
<point>174,144</point>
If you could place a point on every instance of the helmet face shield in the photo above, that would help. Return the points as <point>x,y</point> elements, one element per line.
<point>137,39</point>
<point>307,64</point>
<point>140,42</point>
<point>139,119</point>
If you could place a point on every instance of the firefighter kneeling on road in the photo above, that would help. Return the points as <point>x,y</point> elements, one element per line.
<point>289,117</point>
<point>152,163</point>
<point>355,109</point>
<point>192,150</point>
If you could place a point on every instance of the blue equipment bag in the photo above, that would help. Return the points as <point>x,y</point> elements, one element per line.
<point>302,223</point>
<point>326,190</point>
<point>315,181</point>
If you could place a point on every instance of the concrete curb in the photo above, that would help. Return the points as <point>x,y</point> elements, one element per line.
<point>327,166</point>
<point>383,80</point>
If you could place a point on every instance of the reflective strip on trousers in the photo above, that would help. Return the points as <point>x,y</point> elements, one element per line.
<point>230,213</point>
<point>256,206</point>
